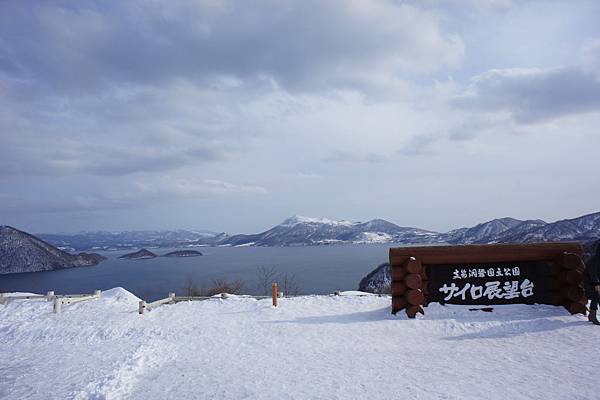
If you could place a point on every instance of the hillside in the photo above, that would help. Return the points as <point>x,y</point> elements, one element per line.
<point>307,231</point>
<point>302,231</point>
<point>142,254</point>
<point>584,228</point>
<point>101,240</point>
<point>22,252</point>
<point>314,347</point>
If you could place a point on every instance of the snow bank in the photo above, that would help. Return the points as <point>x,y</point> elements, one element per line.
<point>120,295</point>
<point>355,293</point>
<point>313,347</point>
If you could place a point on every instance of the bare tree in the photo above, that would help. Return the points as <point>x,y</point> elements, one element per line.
<point>287,283</point>
<point>265,277</point>
<point>217,286</point>
<point>224,286</point>
<point>190,287</point>
<point>290,285</point>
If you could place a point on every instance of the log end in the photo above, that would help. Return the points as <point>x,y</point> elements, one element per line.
<point>413,310</point>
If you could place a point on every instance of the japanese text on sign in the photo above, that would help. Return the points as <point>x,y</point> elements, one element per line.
<point>463,273</point>
<point>490,290</point>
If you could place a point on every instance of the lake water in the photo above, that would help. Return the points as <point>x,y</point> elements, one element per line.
<point>318,270</point>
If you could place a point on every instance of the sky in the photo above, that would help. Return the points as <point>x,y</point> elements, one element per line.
<point>233,115</point>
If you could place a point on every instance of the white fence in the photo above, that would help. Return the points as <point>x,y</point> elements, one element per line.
<point>172,299</point>
<point>58,300</point>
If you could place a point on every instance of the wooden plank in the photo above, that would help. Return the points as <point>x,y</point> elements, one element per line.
<point>553,268</point>
<point>415,297</point>
<point>571,276</point>
<point>553,298</point>
<point>576,308</point>
<point>571,260</point>
<point>572,293</point>
<point>398,303</point>
<point>484,253</point>
<point>413,266</point>
<point>413,310</point>
<point>274,293</point>
<point>398,272</point>
<point>398,288</point>
<point>413,281</point>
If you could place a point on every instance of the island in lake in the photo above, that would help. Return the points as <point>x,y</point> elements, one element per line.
<point>142,254</point>
<point>183,253</point>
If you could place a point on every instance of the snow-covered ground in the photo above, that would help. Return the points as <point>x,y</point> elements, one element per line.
<point>314,347</point>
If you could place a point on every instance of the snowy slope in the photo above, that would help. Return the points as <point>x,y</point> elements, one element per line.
<point>101,240</point>
<point>304,231</point>
<point>316,347</point>
<point>584,228</point>
<point>483,232</point>
<point>22,252</point>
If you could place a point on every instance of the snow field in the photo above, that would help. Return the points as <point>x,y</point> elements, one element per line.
<point>313,347</point>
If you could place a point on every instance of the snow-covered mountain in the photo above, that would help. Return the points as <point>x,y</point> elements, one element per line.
<point>22,252</point>
<point>377,281</point>
<point>302,231</point>
<point>509,230</point>
<point>305,231</point>
<point>496,230</point>
<point>482,232</point>
<point>132,239</point>
<point>585,228</point>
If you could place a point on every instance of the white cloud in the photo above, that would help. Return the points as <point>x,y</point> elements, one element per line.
<point>308,175</point>
<point>167,186</point>
<point>301,45</point>
<point>534,94</point>
<point>351,109</point>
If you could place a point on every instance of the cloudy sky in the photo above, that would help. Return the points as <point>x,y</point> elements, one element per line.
<point>233,115</point>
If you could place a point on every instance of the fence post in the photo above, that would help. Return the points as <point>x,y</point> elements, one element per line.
<point>142,306</point>
<point>172,298</point>
<point>97,293</point>
<point>274,293</point>
<point>50,295</point>
<point>57,305</point>
<point>3,299</point>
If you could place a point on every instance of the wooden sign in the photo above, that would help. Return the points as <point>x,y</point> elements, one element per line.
<point>545,273</point>
<point>500,283</point>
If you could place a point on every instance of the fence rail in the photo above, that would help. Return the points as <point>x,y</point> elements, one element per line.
<point>172,299</point>
<point>143,306</point>
<point>6,299</point>
<point>58,300</point>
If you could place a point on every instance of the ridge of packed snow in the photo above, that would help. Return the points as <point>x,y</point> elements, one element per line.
<point>298,219</point>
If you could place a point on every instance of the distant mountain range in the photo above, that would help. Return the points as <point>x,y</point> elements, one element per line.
<point>125,240</point>
<point>305,231</point>
<point>22,252</point>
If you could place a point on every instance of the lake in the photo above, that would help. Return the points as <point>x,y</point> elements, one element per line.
<point>317,269</point>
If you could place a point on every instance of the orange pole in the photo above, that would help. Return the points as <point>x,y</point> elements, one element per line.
<point>274,293</point>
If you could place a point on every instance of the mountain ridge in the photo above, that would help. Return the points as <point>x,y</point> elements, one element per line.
<point>304,231</point>
<point>23,252</point>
